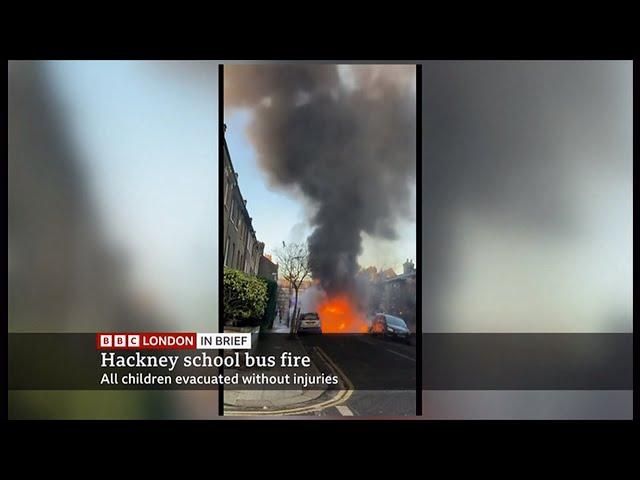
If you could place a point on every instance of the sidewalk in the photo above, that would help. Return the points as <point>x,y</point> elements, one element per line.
<point>279,327</point>
<point>268,399</point>
<point>273,397</point>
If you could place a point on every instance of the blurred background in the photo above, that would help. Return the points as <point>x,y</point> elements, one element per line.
<point>112,196</point>
<point>112,210</point>
<point>527,222</point>
<point>527,189</point>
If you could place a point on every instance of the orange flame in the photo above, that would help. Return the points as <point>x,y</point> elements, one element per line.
<point>339,315</point>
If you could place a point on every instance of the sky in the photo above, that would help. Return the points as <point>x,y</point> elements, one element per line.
<point>277,216</point>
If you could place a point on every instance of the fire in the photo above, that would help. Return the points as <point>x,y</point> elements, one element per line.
<point>339,315</point>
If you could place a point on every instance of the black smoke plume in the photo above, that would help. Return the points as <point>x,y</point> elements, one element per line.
<point>345,139</point>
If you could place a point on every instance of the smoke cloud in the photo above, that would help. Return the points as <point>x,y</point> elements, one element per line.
<point>343,137</point>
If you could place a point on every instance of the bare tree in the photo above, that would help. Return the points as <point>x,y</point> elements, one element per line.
<point>293,260</point>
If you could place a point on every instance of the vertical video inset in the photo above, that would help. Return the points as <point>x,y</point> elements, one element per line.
<point>319,242</point>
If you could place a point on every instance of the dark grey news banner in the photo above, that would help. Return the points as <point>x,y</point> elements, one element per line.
<point>449,362</point>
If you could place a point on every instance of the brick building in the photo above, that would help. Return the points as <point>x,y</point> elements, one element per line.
<point>267,268</point>
<point>242,250</point>
<point>397,294</point>
<point>391,293</point>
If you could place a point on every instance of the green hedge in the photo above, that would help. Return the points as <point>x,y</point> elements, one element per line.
<point>245,298</point>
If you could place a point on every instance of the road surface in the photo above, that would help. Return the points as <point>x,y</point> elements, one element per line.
<point>382,373</point>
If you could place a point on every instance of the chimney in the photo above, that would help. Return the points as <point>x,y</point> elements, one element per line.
<point>408,267</point>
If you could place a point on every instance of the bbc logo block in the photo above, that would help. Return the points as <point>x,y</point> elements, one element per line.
<point>118,340</point>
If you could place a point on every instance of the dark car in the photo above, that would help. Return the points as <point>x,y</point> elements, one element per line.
<point>385,325</point>
<point>309,323</point>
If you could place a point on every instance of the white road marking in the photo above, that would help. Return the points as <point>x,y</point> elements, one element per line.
<point>400,354</point>
<point>344,410</point>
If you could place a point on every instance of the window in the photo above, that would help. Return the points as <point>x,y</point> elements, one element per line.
<point>395,321</point>
<point>233,211</point>
<point>226,187</point>
<point>226,251</point>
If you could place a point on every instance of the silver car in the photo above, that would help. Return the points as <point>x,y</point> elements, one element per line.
<point>309,323</point>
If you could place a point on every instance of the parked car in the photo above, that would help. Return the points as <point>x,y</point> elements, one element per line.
<point>309,323</point>
<point>386,325</point>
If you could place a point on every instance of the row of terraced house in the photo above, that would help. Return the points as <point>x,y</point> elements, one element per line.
<point>242,249</point>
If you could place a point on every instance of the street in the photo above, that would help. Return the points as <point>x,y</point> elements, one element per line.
<point>376,377</point>
<point>381,372</point>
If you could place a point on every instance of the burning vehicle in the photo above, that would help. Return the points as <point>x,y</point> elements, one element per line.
<point>341,315</point>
